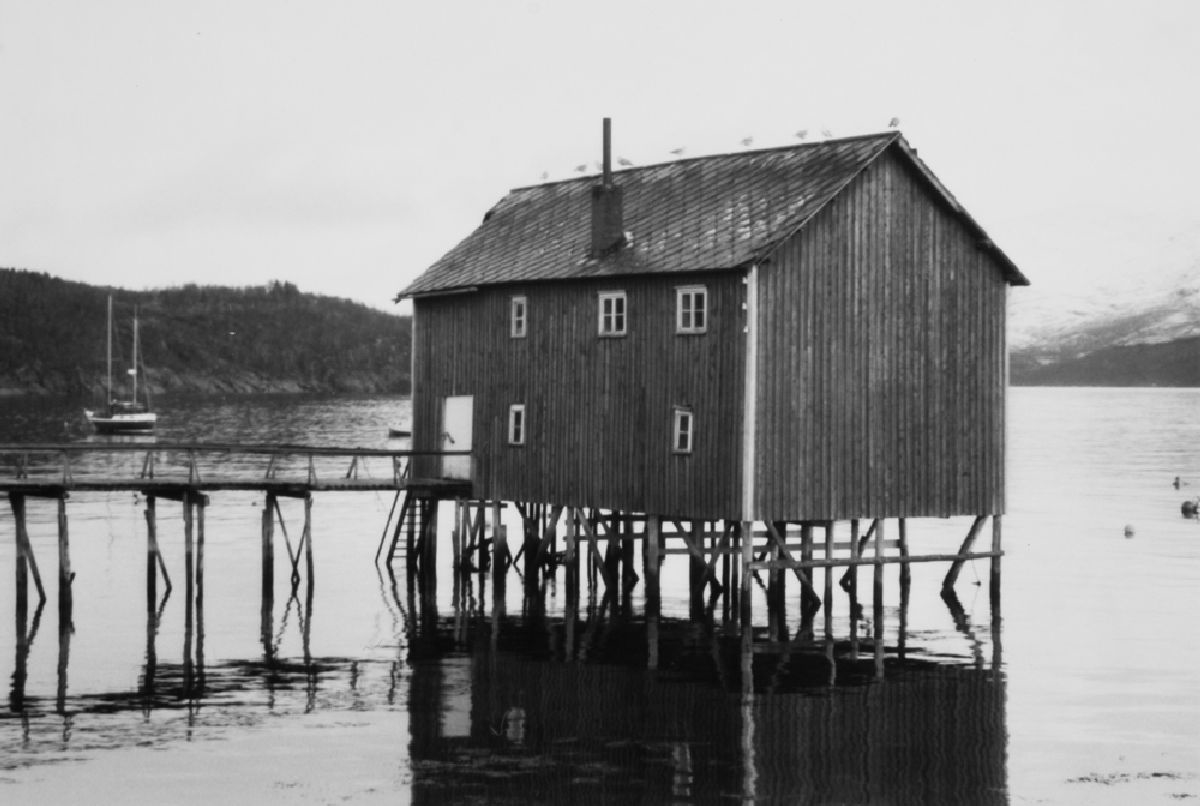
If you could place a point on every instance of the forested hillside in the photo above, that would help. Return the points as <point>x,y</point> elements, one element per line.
<point>202,339</point>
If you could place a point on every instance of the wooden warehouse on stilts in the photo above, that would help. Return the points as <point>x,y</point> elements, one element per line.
<point>722,357</point>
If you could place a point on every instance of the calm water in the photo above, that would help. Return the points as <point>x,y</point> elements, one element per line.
<point>1089,694</point>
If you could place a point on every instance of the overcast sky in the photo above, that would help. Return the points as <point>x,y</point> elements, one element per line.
<point>344,146</point>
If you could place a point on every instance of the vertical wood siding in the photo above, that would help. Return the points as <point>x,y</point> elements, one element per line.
<point>881,361</point>
<point>599,410</point>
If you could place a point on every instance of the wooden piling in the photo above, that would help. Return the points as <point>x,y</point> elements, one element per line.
<point>994,571</point>
<point>199,501</point>
<point>747,609</point>
<point>500,556</point>
<point>457,535</point>
<point>829,583</point>
<point>189,591</point>
<point>308,544</point>
<point>650,555</point>
<point>905,590</point>
<point>24,547</point>
<point>427,565</point>
<point>267,585</point>
<point>21,588</point>
<point>151,554</point>
<point>877,604</point>
<point>629,576</point>
<point>994,597</point>
<point>64,563</point>
<point>65,577</point>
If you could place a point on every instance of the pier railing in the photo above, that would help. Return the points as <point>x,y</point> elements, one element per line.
<point>205,465</point>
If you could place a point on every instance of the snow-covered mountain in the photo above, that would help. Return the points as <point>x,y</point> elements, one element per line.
<point>1144,331</point>
<point>1143,311</point>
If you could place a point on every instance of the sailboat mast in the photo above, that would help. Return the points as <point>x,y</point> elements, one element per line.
<point>108,400</point>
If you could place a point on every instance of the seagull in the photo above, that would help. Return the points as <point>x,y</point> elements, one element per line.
<point>800,135</point>
<point>826,133</point>
<point>893,123</point>
<point>677,151</point>
<point>623,161</point>
<point>747,141</point>
<point>545,175</point>
<point>580,168</point>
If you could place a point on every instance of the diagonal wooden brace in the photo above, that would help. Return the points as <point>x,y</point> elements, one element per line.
<point>709,573</point>
<point>968,542</point>
<point>805,583</point>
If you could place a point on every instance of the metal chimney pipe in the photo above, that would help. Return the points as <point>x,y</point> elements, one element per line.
<point>607,178</point>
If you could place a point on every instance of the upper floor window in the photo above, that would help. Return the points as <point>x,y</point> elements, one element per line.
<point>518,319</point>
<point>516,424</point>
<point>612,313</point>
<point>684,430</point>
<point>691,309</point>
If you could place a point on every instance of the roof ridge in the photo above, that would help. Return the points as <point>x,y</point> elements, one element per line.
<point>889,134</point>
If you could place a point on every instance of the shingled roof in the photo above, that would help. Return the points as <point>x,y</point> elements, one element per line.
<point>706,213</point>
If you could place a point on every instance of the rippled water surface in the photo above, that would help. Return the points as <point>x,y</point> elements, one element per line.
<point>354,691</point>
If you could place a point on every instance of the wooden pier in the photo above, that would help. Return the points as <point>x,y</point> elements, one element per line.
<point>186,472</point>
<point>598,549</point>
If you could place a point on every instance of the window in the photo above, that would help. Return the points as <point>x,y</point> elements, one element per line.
<point>684,430</point>
<point>612,313</point>
<point>519,309</point>
<point>691,309</point>
<point>516,424</point>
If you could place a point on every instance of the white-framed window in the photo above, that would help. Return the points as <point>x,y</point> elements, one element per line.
<point>691,309</point>
<point>684,431</point>
<point>612,313</point>
<point>516,424</point>
<point>519,318</point>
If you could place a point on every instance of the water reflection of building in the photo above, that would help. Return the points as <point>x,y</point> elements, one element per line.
<point>812,722</point>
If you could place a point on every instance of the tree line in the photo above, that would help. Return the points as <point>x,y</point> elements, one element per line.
<point>197,338</point>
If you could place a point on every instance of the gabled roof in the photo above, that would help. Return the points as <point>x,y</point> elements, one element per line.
<point>706,213</point>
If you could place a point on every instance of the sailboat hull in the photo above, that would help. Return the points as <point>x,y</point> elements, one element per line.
<point>142,422</point>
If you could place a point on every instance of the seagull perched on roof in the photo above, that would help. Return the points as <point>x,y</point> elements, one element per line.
<point>894,123</point>
<point>580,168</point>
<point>623,161</point>
<point>800,135</point>
<point>747,141</point>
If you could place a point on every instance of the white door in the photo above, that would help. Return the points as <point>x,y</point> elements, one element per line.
<point>456,435</point>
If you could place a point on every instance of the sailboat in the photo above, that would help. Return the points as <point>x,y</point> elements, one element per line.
<point>123,416</point>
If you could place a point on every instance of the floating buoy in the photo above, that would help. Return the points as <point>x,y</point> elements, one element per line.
<point>1128,530</point>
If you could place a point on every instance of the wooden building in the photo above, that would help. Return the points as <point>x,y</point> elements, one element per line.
<point>808,333</point>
